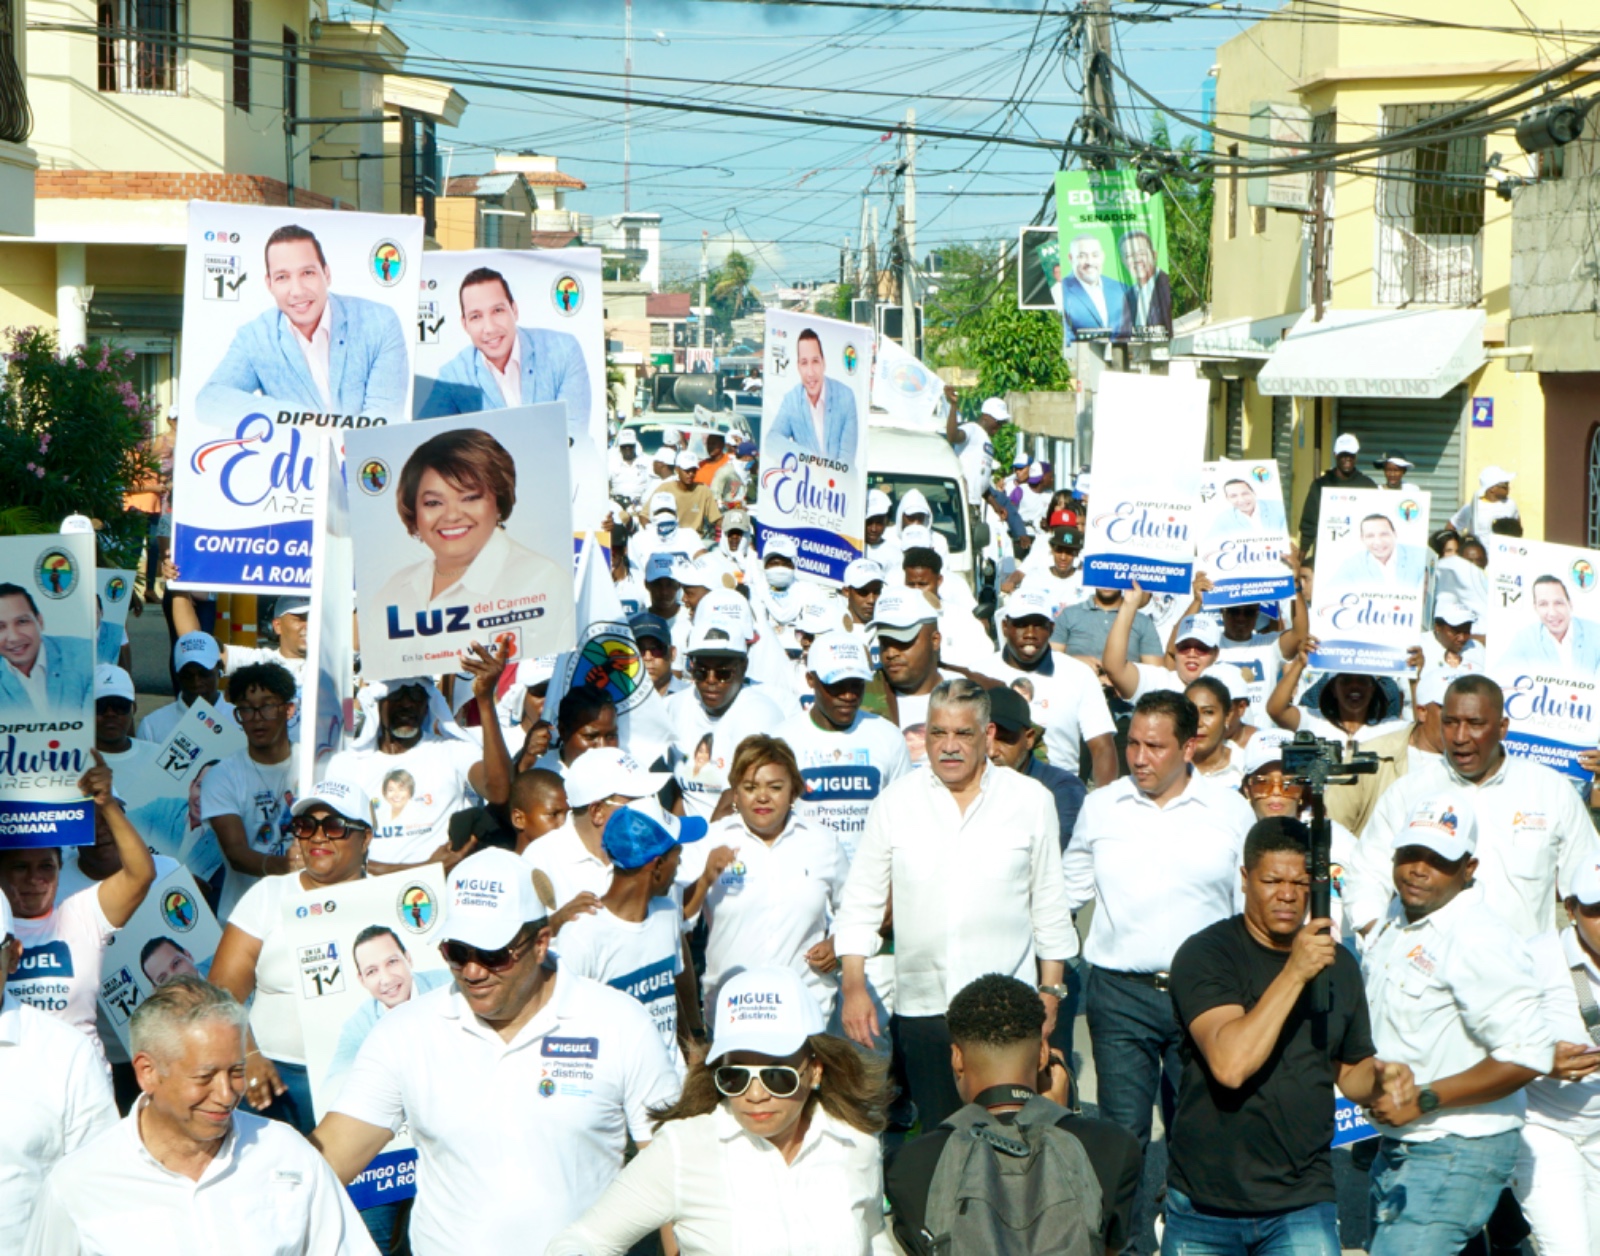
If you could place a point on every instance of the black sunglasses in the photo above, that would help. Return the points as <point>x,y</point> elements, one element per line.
<point>459,955</point>
<point>334,826</point>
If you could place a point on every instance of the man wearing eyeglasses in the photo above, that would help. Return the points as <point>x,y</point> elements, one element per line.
<point>246,797</point>
<point>520,1084</point>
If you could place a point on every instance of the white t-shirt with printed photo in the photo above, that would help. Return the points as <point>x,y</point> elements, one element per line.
<point>414,793</point>
<point>703,746</point>
<point>260,794</point>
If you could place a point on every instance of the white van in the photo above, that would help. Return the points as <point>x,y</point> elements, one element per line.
<point>902,458</point>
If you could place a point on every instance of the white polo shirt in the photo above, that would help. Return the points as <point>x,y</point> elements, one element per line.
<point>845,770</point>
<point>1533,834</point>
<point>58,1098</point>
<point>265,1193</point>
<point>1570,1108</point>
<point>514,1140</point>
<point>773,903</point>
<point>975,892</point>
<point>1448,992</point>
<point>1157,875</point>
<point>1066,701</point>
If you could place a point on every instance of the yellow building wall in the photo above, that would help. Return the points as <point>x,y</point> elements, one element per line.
<point>457,219</point>
<point>28,293</point>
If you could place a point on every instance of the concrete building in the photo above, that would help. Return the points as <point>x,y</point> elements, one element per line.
<point>1418,277</point>
<point>633,238</point>
<point>486,211</point>
<point>18,161</point>
<point>136,113</point>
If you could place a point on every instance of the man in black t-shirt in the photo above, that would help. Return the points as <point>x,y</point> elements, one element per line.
<point>1249,1168</point>
<point>1000,1060</point>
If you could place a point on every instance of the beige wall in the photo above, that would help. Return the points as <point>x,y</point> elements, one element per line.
<point>28,295</point>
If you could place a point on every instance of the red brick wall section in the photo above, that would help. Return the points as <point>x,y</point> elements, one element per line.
<point>136,185</point>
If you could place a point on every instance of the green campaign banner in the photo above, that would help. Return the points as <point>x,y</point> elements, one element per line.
<point>1114,283</point>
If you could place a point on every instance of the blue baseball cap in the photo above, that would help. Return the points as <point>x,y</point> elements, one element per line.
<point>646,624</point>
<point>634,835</point>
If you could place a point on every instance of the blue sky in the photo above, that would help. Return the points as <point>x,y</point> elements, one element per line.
<point>787,193</point>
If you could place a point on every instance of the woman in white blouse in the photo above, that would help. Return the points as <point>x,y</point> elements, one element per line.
<point>771,881</point>
<point>771,1150</point>
<point>1558,1173</point>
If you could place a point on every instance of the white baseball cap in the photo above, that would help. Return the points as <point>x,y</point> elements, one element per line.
<point>863,571</point>
<point>1265,748</point>
<point>995,408</point>
<point>1444,824</point>
<point>715,639</point>
<point>1431,686</point>
<point>1206,629</point>
<point>877,503</point>
<point>627,436</point>
<point>836,656</point>
<point>1081,484</point>
<point>605,772</point>
<point>1452,610</point>
<point>491,897</point>
<point>110,681</point>
<point>724,608</point>
<point>670,439</point>
<point>767,1010</point>
<point>818,616</point>
<point>663,504</point>
<point>196,647</point>
<point>1346,444</point>
<point>1394,460</point>
<point>344,798</point>
<point>780,545</point>
<point>735,521</point>
<point>1585,886</point>
<point>661,566</point>
<point>686,459</point>
<point>901,612</point>
<point>694,574</point>
<point>292,607</point>
<point>1028,603</point>
<point>1019,459</point>
<point>77,525</point>
<point>1487,479</point>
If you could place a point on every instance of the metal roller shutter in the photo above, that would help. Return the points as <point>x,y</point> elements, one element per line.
<point>1283,439</point>
<point>1426,432</point>
<point>1233,433</point>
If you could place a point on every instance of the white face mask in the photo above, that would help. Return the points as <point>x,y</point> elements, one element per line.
<point>780,577</point>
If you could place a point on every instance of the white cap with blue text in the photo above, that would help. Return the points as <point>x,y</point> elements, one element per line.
<point>1206,629</point>
<point>765,1010</point>
<point>196,647</point>
<point>1265,748</point>
<point>1028,603</point>
<point>663,504</point>
<point>1444,824</point>
<point>1346,444</point>
<point>863,571</point>
<point>838,656</point>
<point>491,897</point>
<point>344,798</point>
<point>780,545</point>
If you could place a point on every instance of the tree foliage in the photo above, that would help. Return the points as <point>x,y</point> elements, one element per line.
<point>1189,209</point>
<point>729,291</point>
<point>73,433</point>
<point>973,321</point>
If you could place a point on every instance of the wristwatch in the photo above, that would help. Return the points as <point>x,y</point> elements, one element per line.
<point>1055,992</point>
<point>1427,1100</point>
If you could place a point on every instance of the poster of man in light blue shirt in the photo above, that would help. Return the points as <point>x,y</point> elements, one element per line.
<point>819,414</point>
<point>1247,514</point>
<point>1382,560</point>
<point>506,364</point>
<point>1559,641</point>
<point>317,350</point>
<point>384,969</point>
<point>40,672</point>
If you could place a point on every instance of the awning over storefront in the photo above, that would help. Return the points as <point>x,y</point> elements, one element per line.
<point>1420,354</point>
<point>1237,338</point>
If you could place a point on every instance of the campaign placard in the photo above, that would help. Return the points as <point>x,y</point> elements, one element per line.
<point>361,950</point>
<point>173,934</point>
<point>482,312</point>
<point>1367,606</point>
<point>464,536</point>
<point>1149,439</point>
<point>813,461</point>
<point>47,644</point>
<point>113,593</point>
<point>906,390</point>
<point>1244,533</point>
<point>328,713</point>
<point>162,801</point>
<point>1113,258</point>
<point>1350,1124</point>
<point>1543,636</point>
<point>295,322</point>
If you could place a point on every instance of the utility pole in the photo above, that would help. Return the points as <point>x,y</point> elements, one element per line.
<point>872,262</point>
<point>627,101</point>
<point>908,242</point>
<point>861,247</point>
<point>703,273</point>
<point>1100,109</point>
<point>1319,242</point>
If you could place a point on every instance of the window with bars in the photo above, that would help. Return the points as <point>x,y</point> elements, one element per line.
<point>241,54</point>
<point>1593,513</point>
<point>1430,214</point>
<point>138,46</point>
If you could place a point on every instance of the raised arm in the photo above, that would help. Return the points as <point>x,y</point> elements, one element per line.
<point>491,775</point>
<point>1281,706</point>
<point>1123,674</point>
<point>122,892</point>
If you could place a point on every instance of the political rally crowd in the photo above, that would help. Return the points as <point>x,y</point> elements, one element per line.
<point>789,956</point>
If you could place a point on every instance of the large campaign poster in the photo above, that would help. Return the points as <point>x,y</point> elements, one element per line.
<point>1372,560</point>
<point>1543,635</point>
<point>295,322</point>
<point>483,311</point>
<point>906,390</point>
<point>813,462</point>
<point>162,801</point>
<point>1113,256</point>
<point>113,595</point>
<point>1149,439</point>
<point>327,715</point>
<point>458,539</point>
<point>47,639</point>
<point>1244,533</point>
<point>173,934</point>
<point>361,950</point>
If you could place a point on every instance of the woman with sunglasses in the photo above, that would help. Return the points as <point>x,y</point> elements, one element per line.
<point>332,829</point>
<point>771,1150</point>
<point>1348,707</point>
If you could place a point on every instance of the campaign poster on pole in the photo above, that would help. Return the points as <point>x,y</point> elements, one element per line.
<point>1114,280</point>
<point>813,462</point>
<point>1244,533</point>
<point>1544,648</point>
<point>361,950</point>
<point>483,310</point>
<point>173,934</point>
<point>459,543</point>
<point>1367,606</point>
<point>47,638</point>
<point>1150,435</point>
<point>163,801</point>
<point>328,713</point>
<point>906,390</point>
<point>295,322</point>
